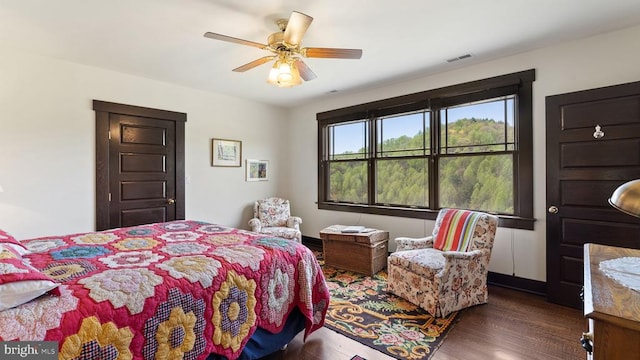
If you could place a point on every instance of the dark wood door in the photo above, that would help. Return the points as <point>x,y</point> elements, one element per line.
<point>140,165</point>
<point>142,174</point>
<point>584,167</point>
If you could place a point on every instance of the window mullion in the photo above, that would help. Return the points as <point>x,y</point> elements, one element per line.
<point>371,161</point>
<point>331,144</point>
<point>433,160</point>
<point>506,125</point>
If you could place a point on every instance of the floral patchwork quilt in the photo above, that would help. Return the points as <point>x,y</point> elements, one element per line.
<point>181,289</point>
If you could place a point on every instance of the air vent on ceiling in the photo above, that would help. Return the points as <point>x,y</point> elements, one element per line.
<point>459,58</point>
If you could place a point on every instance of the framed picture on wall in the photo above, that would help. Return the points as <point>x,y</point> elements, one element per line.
<point>257,170</point>
<point>226,152</point>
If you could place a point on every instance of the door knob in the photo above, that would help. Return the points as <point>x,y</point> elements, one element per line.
<point>171,201</point>
<point>598,134</point>
<point>553,210</point>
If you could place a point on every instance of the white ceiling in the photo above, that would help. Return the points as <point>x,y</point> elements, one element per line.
<point>402,39</point>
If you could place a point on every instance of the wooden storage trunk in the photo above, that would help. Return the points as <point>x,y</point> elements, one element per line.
<point>364,253</point>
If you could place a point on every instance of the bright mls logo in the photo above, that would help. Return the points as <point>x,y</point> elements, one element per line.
<point>32,350</point>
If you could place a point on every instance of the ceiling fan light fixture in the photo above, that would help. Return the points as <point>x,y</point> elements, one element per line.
<point>284,73</point>
<point>273,74</point>
<point>296,80</point>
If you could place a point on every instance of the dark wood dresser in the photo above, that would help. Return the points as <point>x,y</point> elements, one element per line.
<point>613,309</point>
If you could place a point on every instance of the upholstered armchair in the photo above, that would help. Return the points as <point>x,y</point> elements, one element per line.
<point>273,216</point>
<point>446,271</point>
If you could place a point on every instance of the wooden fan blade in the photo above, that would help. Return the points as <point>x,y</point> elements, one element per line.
<point>331,53</point>
<point>296,28</point>
<point>231,39</point>
<point>254,63</point>
<point>305,72</point>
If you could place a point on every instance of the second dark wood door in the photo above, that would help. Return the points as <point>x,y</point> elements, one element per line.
<point>585,164</point>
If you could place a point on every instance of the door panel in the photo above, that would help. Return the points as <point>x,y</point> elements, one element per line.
<point>143,190</point>
<point>586,193</point>
<point>612,111</point>
<point>139,165</point>
<point>579,231</point>
<point>582,172</point>
<point>601,153</point>
<point>132,134</point>
<point>571,270</point>
<point>131,217</point>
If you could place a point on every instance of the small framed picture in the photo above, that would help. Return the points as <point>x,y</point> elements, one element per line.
<point>226,152</point>
<point>257,170</point>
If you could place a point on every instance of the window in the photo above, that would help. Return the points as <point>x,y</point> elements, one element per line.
<point>401,165</point>
<point>348,165</point>
<point>465,146</point>
<point>476,156</point>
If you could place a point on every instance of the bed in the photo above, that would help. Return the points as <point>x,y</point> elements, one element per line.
<point>180,289</point>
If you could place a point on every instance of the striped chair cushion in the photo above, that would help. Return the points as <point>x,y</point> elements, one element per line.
<point>456,229</point>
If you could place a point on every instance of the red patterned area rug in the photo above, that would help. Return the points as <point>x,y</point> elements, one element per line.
<point>362,310</point>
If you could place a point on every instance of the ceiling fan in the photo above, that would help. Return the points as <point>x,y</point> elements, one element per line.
<point>288,69</point>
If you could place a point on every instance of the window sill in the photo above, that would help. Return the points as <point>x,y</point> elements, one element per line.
<point>507,221</point>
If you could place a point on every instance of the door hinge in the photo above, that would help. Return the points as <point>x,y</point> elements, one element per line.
<point>109,197</point>
<point>109,134</point>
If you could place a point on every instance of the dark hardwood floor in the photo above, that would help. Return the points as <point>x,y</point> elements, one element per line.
<point>513,326</point>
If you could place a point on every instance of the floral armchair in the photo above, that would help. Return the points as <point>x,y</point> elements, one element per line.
<point>272,216</point>
<point>446,271</point>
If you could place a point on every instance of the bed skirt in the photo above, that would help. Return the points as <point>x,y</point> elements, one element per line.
<point>263,343</point>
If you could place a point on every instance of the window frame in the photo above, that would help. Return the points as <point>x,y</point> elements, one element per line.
<point>519,84</point>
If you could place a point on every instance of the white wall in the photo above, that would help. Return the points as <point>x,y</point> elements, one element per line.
<point>603,60</point>
<point>47,141</point>
<point>47,147</point>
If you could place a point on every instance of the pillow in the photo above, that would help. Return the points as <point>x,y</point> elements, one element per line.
<point>10,241</point>
<point>456,229</point>
<point>19,281</point>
